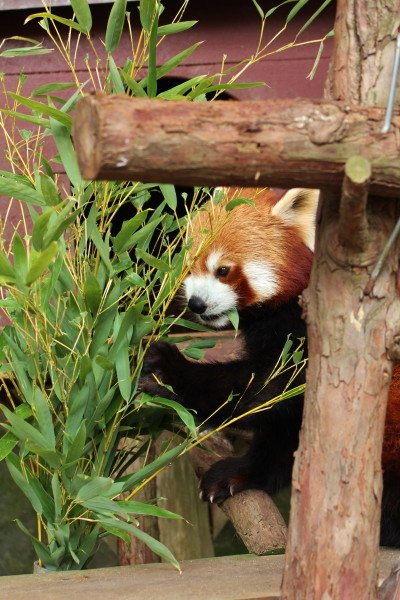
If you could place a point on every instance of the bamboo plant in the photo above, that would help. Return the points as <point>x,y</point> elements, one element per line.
<point>84,298</point>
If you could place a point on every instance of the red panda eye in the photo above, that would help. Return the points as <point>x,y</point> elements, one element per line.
<point>222,271</point>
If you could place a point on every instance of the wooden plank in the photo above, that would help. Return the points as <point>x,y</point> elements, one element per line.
<point>227,578</point>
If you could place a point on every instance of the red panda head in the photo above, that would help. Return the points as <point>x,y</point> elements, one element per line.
<point>254,254</point>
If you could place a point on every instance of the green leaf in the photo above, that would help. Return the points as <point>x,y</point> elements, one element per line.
<point>233,316</point>
<point>116,77</point>
<point>296,8</point>
<point>43,417</point>
<point>185,416</point>
<point>147,9</point>
<point>7,271</point>
<point>39,230</point>
<point>140,235</point>
<point>75,451</point>
<point>131,481</point>
<point>313,17</point>
<point>24,431</point>
<point>20,257</point>
<point>133,85</point>
<point>52,17</point>
<point>172,63</point>
<point>7,444</point>
<point>57,496</point>
<point>157,263</point>
<point>169,193</point>
<point>27,51</point>
<point>259,9</point>
<point>115,25</point>
<point>120,242</point>
<point>20,191</point>
<point>82,13</point>
<point>28,118</point>
<point>286,350</point>
<point>175,27</point>
<point>195,353</point>
<point>14,467</point>
<point>95,487</point>
<point>50,190</point>
<point>49,88</point>
<point>154,545</point>
<point>92,292</point>
<point>56,114</point>
<point>122,366</point>
<point>62,138</point>
<point>237,202</point>
<point>41,262</point>
<point>142,508</point>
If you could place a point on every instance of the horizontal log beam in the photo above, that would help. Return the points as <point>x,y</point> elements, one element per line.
<point>284,143</point>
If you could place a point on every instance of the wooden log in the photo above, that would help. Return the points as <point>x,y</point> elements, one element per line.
<point>353,224</point>
<point>253,514</point>
<point>285,143</point>
<point>337,480</point>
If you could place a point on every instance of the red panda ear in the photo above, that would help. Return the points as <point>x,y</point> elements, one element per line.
<point>298,208</point>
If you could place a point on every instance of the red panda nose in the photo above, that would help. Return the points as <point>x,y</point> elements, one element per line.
<point>197,305</point>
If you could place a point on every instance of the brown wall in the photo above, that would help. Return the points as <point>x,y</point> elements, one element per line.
<point>225,28</point>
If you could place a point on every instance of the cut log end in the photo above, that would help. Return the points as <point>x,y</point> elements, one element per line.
<point>86,137</point>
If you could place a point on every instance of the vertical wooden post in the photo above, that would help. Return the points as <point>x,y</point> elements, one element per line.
<point>334,528</point>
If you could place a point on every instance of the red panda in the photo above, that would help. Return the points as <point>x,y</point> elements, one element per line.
<point>256,259</point>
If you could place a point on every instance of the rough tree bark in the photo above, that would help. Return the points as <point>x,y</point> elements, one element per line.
<point>337,483</point>
<point>281,143</point>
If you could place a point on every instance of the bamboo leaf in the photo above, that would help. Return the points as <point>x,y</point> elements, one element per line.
<point>27,51</point>
<point>20,191</point>
<point>175,27</point>
<point>95,487</point>
<point>233,316</point>
<point>50,190</point>
<point>120,242</point>
<point>28,118</point>
<point>296,8</point>
<point>237,202</point>
<point>130,481</point>
<point>62,138</point>
<point>41,262</point>
<point>14,467</point>
<point>172,63</point>
<point>56,114</point>
<point>49,88</point>
<point>133,85</point>
<point>169,193</point>
<point>154,545</point>
<point>142,508</point>
<point>83,14</point>
<point>157,263</point>
<point>92,292</point>
<point>7,444</point>
<point>116,77</point>
<point>43,417</point>
<point>185,416</point>
<point>7,271</point>
<point>147,9</point>
<point>115,25</point>
<point>39,230</point>
<point>52,17</point>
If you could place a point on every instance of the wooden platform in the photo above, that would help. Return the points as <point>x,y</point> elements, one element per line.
<point>227,578</point>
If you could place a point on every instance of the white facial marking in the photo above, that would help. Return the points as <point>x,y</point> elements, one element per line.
<point>218,297</point>
<point>212,261</point>
<point>262,278</point>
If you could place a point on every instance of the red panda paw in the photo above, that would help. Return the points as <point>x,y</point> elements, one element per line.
<point>162,364</point>
<point>224,479</point>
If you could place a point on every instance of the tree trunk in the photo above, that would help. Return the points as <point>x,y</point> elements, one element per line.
<point>284,143</point>
<point>337,480</point>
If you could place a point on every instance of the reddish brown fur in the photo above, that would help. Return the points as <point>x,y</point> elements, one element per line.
<point>282,246</point>
<point>270,241</point>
